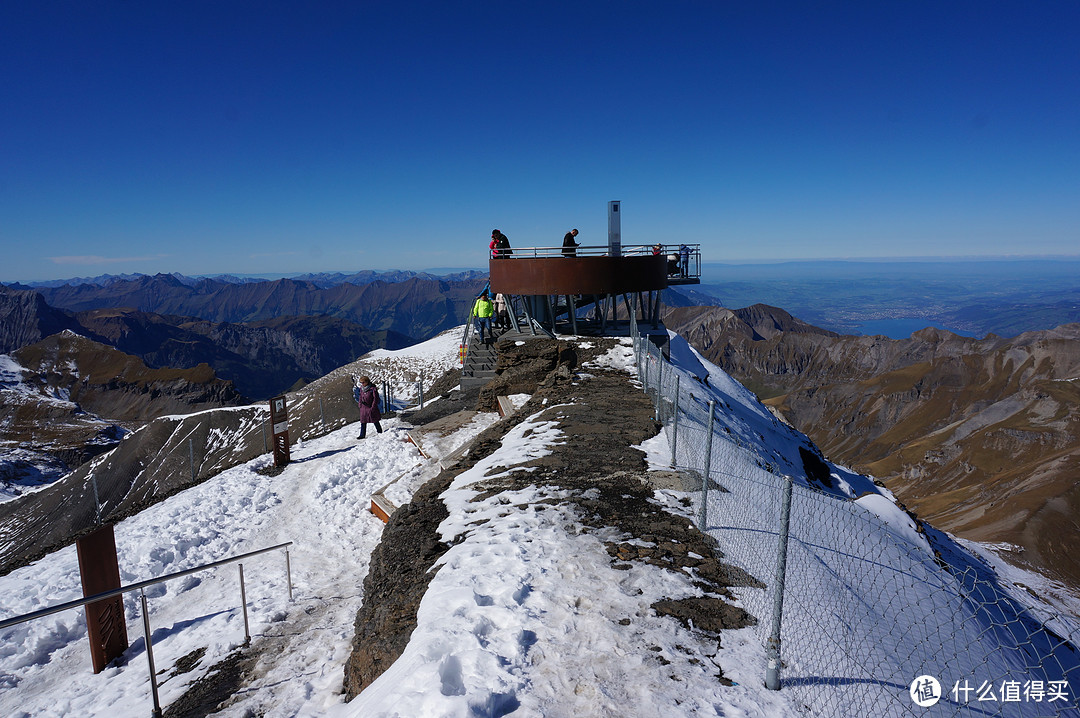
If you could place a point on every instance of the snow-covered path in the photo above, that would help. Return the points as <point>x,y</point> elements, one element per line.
<point>319,502</point>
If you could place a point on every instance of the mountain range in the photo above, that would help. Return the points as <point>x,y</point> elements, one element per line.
<point>979,436</point>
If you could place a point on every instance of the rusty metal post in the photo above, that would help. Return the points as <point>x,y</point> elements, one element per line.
<point>100,572</point>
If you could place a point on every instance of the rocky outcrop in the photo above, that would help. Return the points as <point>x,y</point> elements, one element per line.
<point>979,436</point>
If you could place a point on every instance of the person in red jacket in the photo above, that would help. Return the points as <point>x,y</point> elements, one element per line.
<point>367,399</point>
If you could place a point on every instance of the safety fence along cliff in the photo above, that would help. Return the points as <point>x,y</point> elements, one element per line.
<point>863,610</point>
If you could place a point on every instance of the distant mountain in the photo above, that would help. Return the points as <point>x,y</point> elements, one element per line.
<point>320,279</point>
<point>980,437</point>
<point>110,383</point>
<point>416,308</point>
<point>25,318</point>
<point>1004,297</point>
<point>262,358</point>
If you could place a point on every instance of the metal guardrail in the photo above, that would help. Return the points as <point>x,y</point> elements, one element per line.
<point>599,250</point>
<point>141,585</point>
<point>680,265</point>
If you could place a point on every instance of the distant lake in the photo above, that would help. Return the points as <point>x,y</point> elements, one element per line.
<point>903,328</point>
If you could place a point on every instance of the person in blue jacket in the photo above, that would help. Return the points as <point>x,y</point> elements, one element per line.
<point>367,399</point>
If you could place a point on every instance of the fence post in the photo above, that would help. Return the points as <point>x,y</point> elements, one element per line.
<point>421,390</point>
<point>675,423</point>
<point>150,657</point>
<point>772,648</point>
<point>243,603</point>
<point>659,382</point>
<point>288,571</point>
<point>707,469</point>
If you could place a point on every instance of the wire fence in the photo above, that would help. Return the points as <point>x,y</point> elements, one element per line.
<point>871,620</point>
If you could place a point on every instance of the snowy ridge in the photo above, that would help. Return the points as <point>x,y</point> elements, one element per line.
<point>505,629</point>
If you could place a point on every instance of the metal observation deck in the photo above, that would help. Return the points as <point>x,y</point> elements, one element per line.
<point>552,287</point>
<point>552,290</point>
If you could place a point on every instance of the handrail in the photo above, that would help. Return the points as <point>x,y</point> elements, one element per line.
<point>600,250</point>
<point>156,712</point>
<point>16,620</point>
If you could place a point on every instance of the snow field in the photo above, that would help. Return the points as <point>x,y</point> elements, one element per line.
<point>320,502</point>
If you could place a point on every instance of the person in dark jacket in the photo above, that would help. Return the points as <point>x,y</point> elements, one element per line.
<point>569,246</point>
<point>500,245</point>
<point>367,399</point>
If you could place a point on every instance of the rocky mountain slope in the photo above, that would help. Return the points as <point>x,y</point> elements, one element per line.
<point>262,358</point>
<point>66,399</point>
<point>980,437</point>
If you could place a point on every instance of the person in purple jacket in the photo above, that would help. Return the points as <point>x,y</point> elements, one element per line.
<point>367,398</point>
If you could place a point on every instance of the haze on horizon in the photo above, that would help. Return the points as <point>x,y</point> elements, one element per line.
<point>276,139</point>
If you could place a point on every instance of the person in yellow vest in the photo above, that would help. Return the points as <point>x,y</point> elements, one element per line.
<point>483,311</point>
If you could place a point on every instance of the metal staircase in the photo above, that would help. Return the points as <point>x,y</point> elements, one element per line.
<point>479,367</point>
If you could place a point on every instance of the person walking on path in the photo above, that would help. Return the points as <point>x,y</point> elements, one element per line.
<point>569,246</point>
<point>483,310</point>
<point>367,399</point>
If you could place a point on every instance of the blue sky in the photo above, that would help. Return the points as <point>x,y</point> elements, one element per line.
<point>207,137</point>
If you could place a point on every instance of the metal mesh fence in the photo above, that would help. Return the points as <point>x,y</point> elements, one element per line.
<point>866,608</point>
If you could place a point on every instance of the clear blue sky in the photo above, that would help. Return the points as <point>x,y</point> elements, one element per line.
<point>250,137</point>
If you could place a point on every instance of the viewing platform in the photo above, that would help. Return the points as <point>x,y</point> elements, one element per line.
<point>593,270</point>
<point>576,290</point>
<point>596,290</point>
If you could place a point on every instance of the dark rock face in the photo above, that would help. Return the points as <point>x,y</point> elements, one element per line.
<point>601,418</point>
<point>520,368</point>
<point>26,318</point>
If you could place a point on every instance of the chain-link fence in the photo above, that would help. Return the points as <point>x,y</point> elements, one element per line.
<point>868,605</point>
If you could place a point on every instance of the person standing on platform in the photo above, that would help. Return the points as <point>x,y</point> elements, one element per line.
<point>569,246</point>
<point>500,245</point>
<point>502,316</point>
<point>684,255</point>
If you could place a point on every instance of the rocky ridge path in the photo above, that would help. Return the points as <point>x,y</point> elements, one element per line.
<point>606,484</point>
